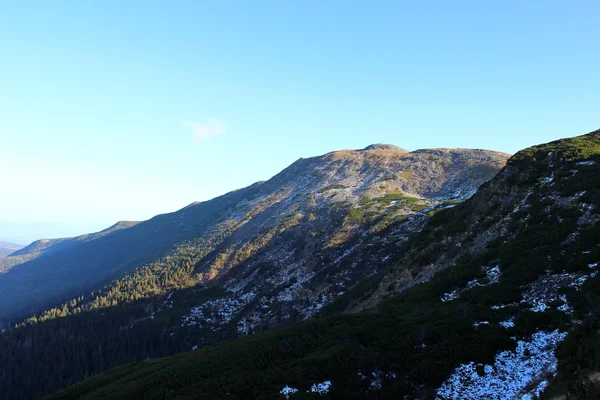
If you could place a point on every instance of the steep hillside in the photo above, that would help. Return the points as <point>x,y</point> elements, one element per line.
<point>507,308</point>
<point>223,232</point>
<point>264,256</point>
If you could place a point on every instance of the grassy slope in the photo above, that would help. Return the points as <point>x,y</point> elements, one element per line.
<point>391,340</point>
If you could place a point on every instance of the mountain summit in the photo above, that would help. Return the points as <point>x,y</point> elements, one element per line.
<point>381,146</point>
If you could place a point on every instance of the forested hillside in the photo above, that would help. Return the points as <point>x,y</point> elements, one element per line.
<point>507,308</point>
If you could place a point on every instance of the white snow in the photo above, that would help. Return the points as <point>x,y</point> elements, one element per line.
<point>593,265</point>
<point>501,306</point>
<point>539,306</point>
<point>455,294</point>
<point>579,281</point>
<point>492,277</point>
<point>321,388</point>
<point>476,324</point>
<point>509,323</point>
<point>586,163</point>
<point>287,391</point>
<point>376,382</point>
<point>511,373</point>
<point>536,392</point>
<point>566,308</point>
<point>545,290</point>
<point>218,312</point>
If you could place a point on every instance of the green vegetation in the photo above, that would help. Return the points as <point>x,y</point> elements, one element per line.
<point>324,349</point>
<point>385,210</point>
<point>331,187</point>
<point>175,271</point>
<point>578,148</point>
<point>72,268</point>
<point>406,174</point>
<point>413,334</point>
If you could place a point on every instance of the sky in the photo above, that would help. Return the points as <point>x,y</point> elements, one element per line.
<point>121,110</point>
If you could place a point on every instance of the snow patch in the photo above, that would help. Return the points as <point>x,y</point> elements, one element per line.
<point>287,391</point>
<point>501,306</point>
<point>492,276</point>
<point>545,289</point>
<point>511,373</point>
<point>218,312</point>
<point>535,393</point>
<point>566,308</point>
<point>586,163</point>
<point>321,388</point>
<point>509,323</point>
<point>455,294</point>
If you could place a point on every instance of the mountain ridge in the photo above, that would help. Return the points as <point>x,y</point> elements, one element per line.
<point>263,256</point>
<point>511,313</point>
<point>336,178</point>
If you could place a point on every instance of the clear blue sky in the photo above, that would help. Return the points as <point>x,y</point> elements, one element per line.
<point>116,110</point>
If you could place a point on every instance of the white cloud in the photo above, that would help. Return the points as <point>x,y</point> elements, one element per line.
<point>201,132</point>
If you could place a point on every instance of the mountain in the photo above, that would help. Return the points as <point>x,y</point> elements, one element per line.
<point>495,297</point>
<point>7,248</point>
<point>29,278</point>
<point>264,256</point>
<point>218,235</point>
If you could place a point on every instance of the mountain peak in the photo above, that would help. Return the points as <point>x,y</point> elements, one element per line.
<point>383,146</point>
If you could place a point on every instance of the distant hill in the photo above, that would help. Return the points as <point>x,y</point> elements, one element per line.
<point>7,248</point>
